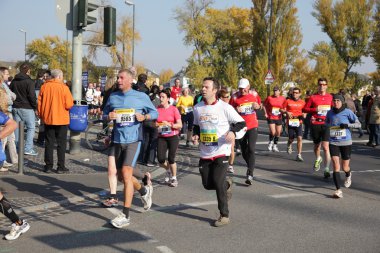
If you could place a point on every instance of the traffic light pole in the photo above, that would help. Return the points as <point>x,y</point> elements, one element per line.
<point>76,88</point>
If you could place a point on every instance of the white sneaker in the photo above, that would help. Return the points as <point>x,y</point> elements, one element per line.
<point>231,169</point>
<point>167,177</point>
<point>299,158</point>
<point>338,194</point>
<point>270,146</point>
<point>347,182</point>
<point>290,149</point>
<point>17,230</point>
<point>7,164</point>
<point>2,169</point>
<point>120,221</point>
<point>275,148</point>
<point>147,198</point>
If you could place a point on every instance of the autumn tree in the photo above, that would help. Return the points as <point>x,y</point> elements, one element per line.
<point>50,53</point>
<point>165,75</point>
<point>349,25</point>
<point>375,43</point>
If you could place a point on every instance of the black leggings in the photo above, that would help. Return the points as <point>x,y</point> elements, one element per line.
<point>248,146</point>
<point>165,144</point>
<point>213,173</point>
<point>7,210</point>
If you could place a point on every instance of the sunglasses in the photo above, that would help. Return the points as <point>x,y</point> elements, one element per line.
<point>296,92</point>
<point>323,84</point>
<point>226,97</point>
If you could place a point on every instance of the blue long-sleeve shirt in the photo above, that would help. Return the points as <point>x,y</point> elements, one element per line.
<point>126,128</point>
<point>338,136</point>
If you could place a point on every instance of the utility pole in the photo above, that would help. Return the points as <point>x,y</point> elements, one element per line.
<point>270,44</point>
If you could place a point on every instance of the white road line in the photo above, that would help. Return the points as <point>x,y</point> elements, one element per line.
<point>304,141</point>
<point>164,249</point>
<point>273,184</point>
<point>365,171</point>
<point>291,195</point>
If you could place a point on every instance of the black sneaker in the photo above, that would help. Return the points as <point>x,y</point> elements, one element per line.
<point>62,170</point>
<point>46,169</point>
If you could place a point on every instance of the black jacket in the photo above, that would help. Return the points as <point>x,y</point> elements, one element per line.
<point>23,86</point>
<point>139,86</point>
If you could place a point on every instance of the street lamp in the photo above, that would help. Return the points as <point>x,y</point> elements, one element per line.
<point>133,31</point>
<point>23,31</point>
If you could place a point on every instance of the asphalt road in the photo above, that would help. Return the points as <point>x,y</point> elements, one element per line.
<point>288,208</point>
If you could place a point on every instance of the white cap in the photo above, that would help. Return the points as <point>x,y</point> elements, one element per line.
<point>243,83</point>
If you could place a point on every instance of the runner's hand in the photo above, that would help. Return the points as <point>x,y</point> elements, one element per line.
<point>112,115</point>
<point>140,117</point>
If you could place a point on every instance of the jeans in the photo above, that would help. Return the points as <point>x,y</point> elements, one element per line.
<point>29,117</point>
<point>10,142</point>
<point>248,146</point>
<point>55,134</point>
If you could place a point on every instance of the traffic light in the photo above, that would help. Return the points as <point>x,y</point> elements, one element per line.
<point>84,7</point>
<point>109,26</point>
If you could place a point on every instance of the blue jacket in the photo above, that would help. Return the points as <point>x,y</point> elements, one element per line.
<point>341,137</point>
<point>126,128</point>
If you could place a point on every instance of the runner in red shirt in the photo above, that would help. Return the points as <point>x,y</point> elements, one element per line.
<point>272,106</point>
<point>293,109</point>
<point>318,105</point>
<point>246,104</point>
<point>176,90</point>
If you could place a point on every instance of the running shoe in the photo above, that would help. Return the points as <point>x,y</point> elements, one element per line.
<point>2,169</point>
<point>173,182</point>
<point>326,173</point>
<point>290,149</point>
<point>270,146</point>
<point>275,148</point>
<point>7,164</point>
<point>299,158</point>
<point>229,189</point>
<point>31,152</point>
<point>167,177</point>
<point>231,169</point>
<point>120,221</point>
<point>249,180</point>
<point>238,152</point>
<point>147,198</point>
<point>222,221</point>
<point>338,194</point>
<point>347,182</point>
<point>17,230</point>
<point>317,164</point>
<point>110,202</point>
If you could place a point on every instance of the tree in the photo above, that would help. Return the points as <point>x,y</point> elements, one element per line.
<point>302,73</point>
<point>50,53</point>
<point>375,43</point>
<point>165,75</point>
<point>349,25</point>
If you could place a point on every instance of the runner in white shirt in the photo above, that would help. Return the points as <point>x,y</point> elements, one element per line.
<point>215,126</point>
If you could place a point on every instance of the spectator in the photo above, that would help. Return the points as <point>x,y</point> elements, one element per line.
<point>6,100</point>
<point>359,112</point>
<point>141,84</point>
<point>54,103</point>
<point>41,128</point>
<point>25,105</point>
<point>373,119</point>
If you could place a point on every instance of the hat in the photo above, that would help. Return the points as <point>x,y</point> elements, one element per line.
<point>243,83</point>
<point>339,96</point>
<point>276,88</point>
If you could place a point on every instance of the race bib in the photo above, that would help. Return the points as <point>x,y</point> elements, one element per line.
<point>336,133</point>
<point>209,137</point>
<point>247,109</point>
<point>323,109</point>
<point>125,117</point>
<point>188,109</point>
<point>294,122</point>
<point>276,111</point>
<point>164,129</point>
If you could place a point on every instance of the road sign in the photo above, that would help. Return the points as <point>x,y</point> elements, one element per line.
<point>269,78</point>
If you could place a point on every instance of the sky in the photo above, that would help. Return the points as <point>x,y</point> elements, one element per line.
<point>162,44</point>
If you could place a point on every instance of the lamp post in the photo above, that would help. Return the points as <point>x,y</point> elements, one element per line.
<point>133,31</point>
<point>23,31</point>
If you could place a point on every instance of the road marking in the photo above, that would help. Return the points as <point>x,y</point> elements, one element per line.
<point>304,142</point>
<point>365,171</point>
<point>273,184</point>
<point>291,195</point>
<point>164,249</point>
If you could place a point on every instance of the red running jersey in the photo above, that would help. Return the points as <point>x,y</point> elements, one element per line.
<point>318,105</point>
<point>273,105</point>
<point>246,104</point>
<point>295,107</point>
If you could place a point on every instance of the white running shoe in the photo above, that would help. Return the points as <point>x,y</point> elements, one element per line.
<point>270,146</point>
<point>231,169</point>
<point>299,158</point>
<point>338,194</point>
<point>147,198</point>
<point>120,221</point>
<point>347,182</point>
<point>290,149</point>
<point>167,177</point>
<point>17,230</point>
<point>275,148</point>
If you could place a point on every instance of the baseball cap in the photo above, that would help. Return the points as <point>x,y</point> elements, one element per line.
<point>243,83</point>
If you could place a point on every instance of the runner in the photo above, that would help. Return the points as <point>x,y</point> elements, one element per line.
<point>318,105</point>
<point>128,108</point>
<point>215,125</point>
<point>293,109</point>
<point>169,124</point>
<point>185,106</point>
<point>246,104</point>
<point>18,226</point>
<point>339,120</point>
<point>272,106</point>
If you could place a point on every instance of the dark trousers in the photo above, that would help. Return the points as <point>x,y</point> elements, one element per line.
<point>307,128</point>
<point>374,134</point>
<point>248,146</point>
<point>55,134</point>
<point>213,173</point>
<point>149,147</point>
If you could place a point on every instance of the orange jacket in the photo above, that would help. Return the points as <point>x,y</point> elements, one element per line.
<point>54,103</point>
